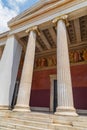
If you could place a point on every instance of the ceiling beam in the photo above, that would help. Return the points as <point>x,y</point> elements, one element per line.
<point>39,47</point>
<point>51,51</point>
<point>45,40</point>
<point>68,38</point>
<point>81,44</point>
<point>77,30</point>
<point>22,43</point>
<point>22,34</point>
<point>46,25</point>
<point>53,34</point>
<point>78,13</point>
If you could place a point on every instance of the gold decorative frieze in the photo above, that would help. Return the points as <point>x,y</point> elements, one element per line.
<point>79,55</point>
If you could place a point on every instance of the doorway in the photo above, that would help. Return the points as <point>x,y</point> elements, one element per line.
<point>55,96</point>
<point>53,93</point>
<point>15,94</point>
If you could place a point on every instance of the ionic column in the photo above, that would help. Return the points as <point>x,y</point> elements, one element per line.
<point>65,96</point>
<point>8,71</point>
<point>26,79</point>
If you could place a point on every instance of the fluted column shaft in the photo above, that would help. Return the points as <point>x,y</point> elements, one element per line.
<point>26,79</point>
<point>65,96</point>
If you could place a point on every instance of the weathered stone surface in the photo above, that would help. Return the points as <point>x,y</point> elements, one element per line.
<point>40,121</point>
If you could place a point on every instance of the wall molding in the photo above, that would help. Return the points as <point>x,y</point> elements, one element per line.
<point>82,112</point>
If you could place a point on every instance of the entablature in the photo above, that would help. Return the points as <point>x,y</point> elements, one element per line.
<point>48,13</point>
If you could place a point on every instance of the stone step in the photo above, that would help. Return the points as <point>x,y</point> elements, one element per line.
<point>23,120</point>
<point>40,120</point>
<point>82,118</point>
<point>4,128</point>
<point>45,120</point>
<point>29,128</point>
<point>81,121</point>
<point>80,128</point>
<point>5,125</point>
<point>32,117</point>
<point>26,123</point>
<point>19,127</point>
<point>53,127</point>
<point>14,120</point>
<point>41,117</point>
<point>24,114</point>
<point>80,124</point>
<point>65,127</point>
<point>33,114</point>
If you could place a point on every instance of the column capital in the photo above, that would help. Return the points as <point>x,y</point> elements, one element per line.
<point>34,28</point>
<point>63,17</point>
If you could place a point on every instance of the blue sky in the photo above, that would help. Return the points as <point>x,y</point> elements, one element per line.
<point>22,4</point>
<point>11,8</point>
<point>28,4</point>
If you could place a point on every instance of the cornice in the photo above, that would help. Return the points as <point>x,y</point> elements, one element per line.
<point>74,9</point>
<point>4,35</point>
<point>32,10</point>
<point>38,9</point>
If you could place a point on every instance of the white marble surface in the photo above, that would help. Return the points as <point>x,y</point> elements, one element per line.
<point>27,72</point>
<point>8,70</point>
<point>65,98</point>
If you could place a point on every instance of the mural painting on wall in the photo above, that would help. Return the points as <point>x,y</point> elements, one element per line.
<point>76,56</point>
<point>47,61</point>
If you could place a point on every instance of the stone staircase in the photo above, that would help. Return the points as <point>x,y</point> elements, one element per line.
<point>25,121</point>
<point>40,121</point>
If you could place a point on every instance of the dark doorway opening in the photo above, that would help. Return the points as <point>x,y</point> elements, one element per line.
<point>15,94</point>
<point>55,96</point>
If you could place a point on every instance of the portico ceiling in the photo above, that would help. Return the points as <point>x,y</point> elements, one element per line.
<point>76,33</point>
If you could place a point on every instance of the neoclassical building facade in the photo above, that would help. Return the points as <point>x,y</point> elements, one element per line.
<point>43,63</point>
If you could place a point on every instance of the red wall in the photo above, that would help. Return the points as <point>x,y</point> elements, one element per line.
<point>79,83</point>
<point>40,95</point>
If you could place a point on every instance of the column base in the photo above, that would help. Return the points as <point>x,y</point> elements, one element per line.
<point>66,111</point>
<point>21,109</point>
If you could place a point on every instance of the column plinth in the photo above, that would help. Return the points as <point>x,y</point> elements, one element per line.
<point>22,108</point>
<point>64,91</point>
<point>26,78</point>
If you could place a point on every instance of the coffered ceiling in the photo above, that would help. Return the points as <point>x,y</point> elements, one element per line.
<point>76,34</point>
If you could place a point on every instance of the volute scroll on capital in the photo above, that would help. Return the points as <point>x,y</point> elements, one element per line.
<point>34,28</point>
<point>63,17</point>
